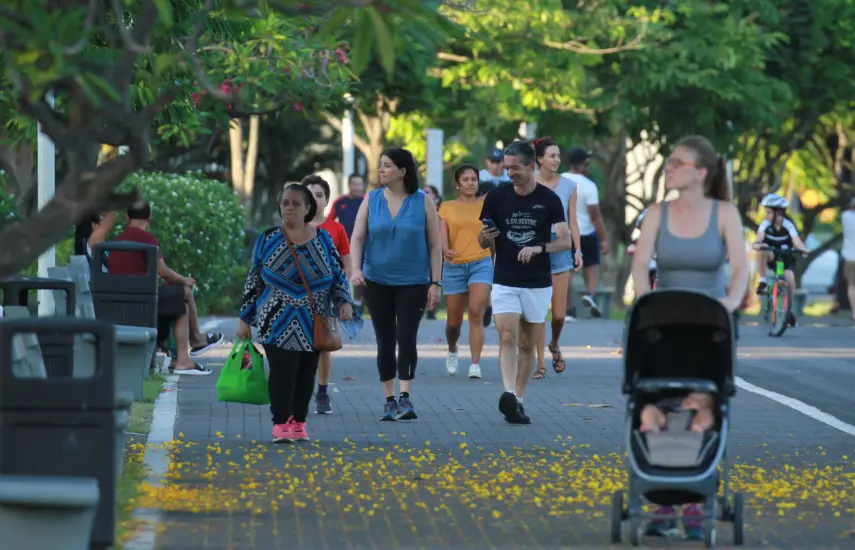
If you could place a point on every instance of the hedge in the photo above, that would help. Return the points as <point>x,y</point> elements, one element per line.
<point>199,224</point>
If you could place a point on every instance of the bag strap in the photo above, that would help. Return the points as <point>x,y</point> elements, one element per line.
<point>300,271</point>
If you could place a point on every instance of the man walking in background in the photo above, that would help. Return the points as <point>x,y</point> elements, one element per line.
<point>593,238</point>
<point>344,211</point>
<point>494,174</point>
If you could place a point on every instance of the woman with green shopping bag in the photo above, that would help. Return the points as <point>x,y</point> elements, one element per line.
<point>295,283</point>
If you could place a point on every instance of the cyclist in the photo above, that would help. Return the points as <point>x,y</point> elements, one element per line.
<point>631,249</point>
<point>779,232</point>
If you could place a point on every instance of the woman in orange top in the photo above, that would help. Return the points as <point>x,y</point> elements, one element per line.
<point>467,269</point>
<point>320,190</point>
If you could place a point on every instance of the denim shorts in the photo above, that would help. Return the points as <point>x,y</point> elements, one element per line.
<point>456,278</point>
<point>561,261</point>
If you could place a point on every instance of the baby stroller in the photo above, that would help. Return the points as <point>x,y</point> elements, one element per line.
<point>676,342</point>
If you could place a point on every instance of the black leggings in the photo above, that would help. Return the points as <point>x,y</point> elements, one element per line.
<point>396,312</point>
<point>290,383</point>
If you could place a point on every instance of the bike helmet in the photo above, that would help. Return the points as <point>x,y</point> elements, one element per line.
<point>775,201</point>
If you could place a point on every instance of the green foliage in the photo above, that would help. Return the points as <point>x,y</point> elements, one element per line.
<point>199,224</point>
<point>8,208</point>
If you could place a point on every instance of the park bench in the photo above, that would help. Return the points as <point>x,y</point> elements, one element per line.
<point>135,346</point>
<point>58,435</point>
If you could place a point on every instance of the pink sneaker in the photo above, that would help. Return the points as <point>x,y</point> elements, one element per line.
<point>298,431</point>
<point>283,432</point>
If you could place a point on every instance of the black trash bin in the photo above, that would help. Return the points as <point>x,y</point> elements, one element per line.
<point>56,348</point>
<point>125,300</point>
<point>62,426</point>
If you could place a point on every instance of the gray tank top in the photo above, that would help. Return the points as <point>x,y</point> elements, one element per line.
<point>564,188</point>
<point>691,263</point>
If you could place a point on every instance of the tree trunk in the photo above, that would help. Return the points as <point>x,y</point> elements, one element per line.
<point>19,164</point>
<point>251,161</point>
<point>236,149</point>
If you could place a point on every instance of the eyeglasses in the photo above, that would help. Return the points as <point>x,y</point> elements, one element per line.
<point>672,162</point>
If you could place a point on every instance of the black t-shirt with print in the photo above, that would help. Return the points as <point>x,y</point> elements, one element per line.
<point>523,220</point>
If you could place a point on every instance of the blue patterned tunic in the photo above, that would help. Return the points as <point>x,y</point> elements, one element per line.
<point>275,299</point>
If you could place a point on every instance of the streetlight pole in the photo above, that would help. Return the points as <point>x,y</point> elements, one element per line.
<point>45,191</point>
<point>347,150</point>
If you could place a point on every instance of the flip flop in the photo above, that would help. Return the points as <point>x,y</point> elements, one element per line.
<point>558,364</point>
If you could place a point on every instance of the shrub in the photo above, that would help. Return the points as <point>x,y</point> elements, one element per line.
<point>199,223</point>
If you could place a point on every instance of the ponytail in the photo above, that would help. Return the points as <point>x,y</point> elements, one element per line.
<point>717,184</point>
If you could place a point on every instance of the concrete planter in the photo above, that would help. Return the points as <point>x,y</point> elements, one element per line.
<point>46,512</point>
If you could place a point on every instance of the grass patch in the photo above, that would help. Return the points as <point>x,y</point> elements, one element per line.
<point>141,412</point>
<point>134,473</point>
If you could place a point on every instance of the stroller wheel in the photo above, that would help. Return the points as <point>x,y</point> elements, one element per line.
<point>617,515</point>
<point>635,531</point>
<point>723,509</point>
<point>709,534</point>
<point>738,519</point>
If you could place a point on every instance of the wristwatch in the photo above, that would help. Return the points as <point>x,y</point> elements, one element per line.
<point>437,283</point>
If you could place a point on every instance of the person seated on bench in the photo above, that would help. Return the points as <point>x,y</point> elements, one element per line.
<point>654,417</point>
<point>174,299</point>
<point>92,231</point>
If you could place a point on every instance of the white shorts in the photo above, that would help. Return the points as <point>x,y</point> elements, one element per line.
<point>531,303</point>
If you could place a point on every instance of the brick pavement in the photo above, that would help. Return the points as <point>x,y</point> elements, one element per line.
<point>459,477</point>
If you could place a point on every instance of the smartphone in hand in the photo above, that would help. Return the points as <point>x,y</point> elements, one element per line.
<point>489,223</point>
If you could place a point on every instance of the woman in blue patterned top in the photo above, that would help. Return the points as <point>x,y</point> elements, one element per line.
<point>275,302</point>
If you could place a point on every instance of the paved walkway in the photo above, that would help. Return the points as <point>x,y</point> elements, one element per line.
<point>459,477</point>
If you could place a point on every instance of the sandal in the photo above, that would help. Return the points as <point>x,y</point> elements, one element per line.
<point>539,374</point>
<point>558,364</point>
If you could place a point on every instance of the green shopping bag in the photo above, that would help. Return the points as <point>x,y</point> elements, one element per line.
<point>243,381</point>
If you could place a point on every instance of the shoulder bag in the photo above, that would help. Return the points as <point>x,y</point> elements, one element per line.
<point>325,334</point>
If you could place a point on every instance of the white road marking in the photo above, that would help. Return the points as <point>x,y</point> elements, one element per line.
<point>210,325</point>
<point>798,406</point>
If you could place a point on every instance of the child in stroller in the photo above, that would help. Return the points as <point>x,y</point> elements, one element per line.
<point>654,418</point>
<point>679,358</point>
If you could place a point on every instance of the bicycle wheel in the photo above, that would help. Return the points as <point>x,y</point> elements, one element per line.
<point>779,312</point>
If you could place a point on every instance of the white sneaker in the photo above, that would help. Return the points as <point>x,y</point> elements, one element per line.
<point>475,370</point>
<point>451,363</point>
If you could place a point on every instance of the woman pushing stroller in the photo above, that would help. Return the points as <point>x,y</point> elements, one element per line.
<point>691,236</point>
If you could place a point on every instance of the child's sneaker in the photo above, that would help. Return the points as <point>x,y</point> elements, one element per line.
<point>692,523</point>
<point>664,527</point>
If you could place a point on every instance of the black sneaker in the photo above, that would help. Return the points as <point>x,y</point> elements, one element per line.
<point>510,407</point>
<point>589,301</point>
<point>390,411</point>
<point>322,404</point>
<point>791,320</point>
<point>406,410</point>
<point>523,416</point>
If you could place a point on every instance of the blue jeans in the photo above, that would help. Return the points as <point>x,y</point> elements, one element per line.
<point>456,278</point>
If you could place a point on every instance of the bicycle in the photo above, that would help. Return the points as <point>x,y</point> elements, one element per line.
<point>776,305</point>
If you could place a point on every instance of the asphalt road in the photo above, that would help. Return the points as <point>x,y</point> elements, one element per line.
<point>459,477</point>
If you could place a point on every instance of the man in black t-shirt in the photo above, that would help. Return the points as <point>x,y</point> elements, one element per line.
<point>521,218</point>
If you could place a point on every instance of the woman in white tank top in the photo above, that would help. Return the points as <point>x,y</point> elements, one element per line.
<point>548,157</point>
